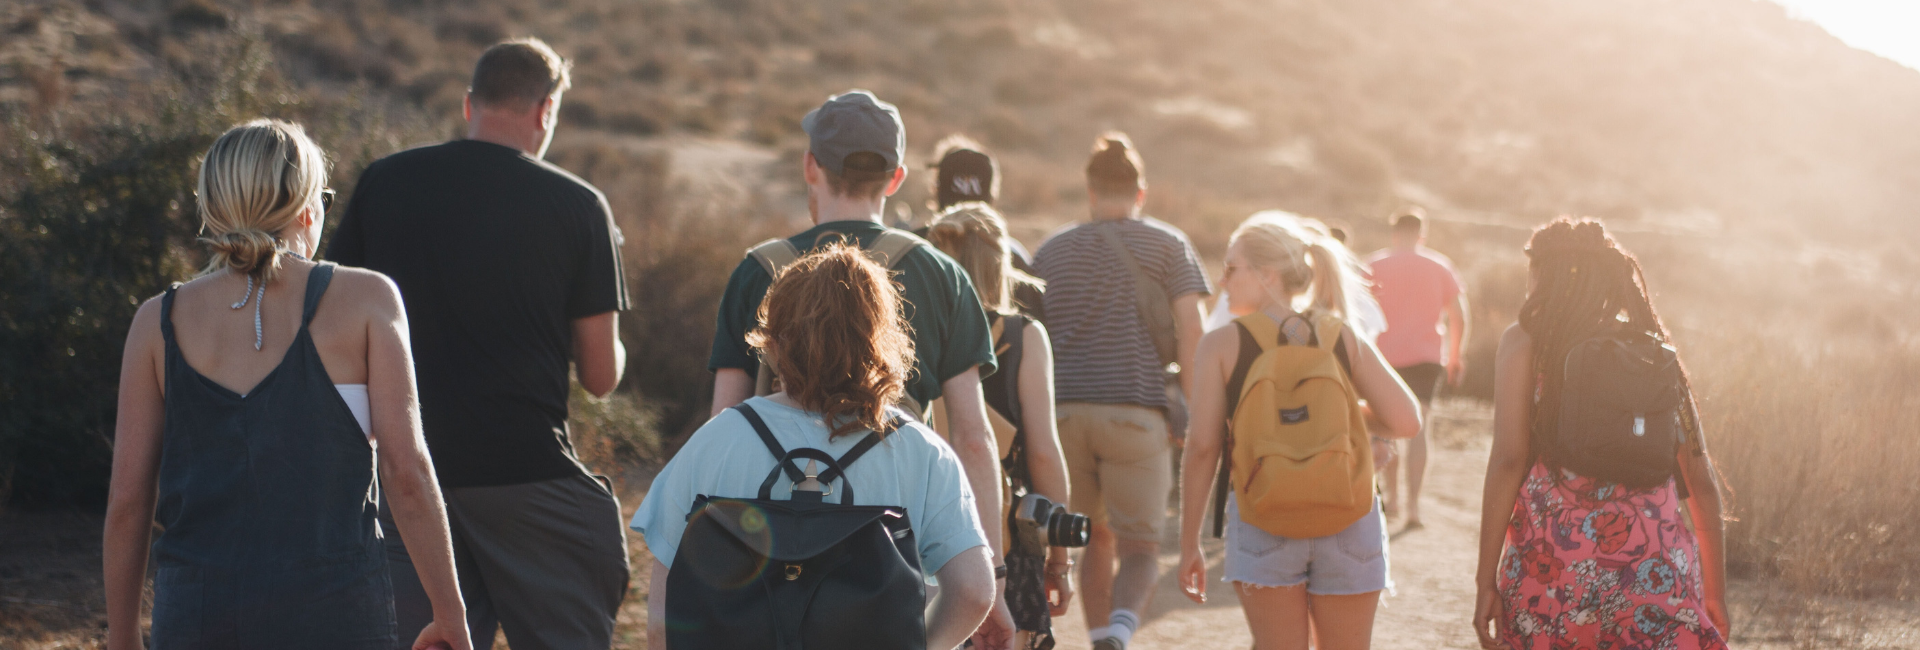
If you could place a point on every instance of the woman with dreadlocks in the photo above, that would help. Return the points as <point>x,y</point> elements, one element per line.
<point>1571,559</point>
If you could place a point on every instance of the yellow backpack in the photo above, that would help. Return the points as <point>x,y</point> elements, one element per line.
<point>1302,465</point>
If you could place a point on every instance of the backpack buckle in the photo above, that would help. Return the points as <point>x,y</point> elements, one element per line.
<point>793,572</point>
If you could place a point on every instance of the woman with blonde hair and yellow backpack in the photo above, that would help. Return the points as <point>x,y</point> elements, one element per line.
<point>1304,536</point>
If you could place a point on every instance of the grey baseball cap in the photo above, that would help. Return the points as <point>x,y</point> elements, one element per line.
<point>852,122</point>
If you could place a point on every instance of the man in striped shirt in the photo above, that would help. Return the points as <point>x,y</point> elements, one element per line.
<point>1110,380</point>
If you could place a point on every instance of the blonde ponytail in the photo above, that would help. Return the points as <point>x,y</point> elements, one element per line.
<point>975,235</point>
<point>1329,282</point>
<point>255,181</point>
<point>1309,261</point>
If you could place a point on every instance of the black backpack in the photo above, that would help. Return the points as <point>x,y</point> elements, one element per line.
<point>761,574</point>
<point>1620,411</point>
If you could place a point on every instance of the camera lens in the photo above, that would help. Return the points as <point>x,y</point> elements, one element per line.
<point>1067,529</point>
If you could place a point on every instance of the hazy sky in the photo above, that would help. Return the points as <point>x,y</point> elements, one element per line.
<point>1890,28</point>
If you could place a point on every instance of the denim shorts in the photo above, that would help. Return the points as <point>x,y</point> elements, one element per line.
<point>1352,561</point>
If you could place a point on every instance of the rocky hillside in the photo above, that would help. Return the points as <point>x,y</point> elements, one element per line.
<point>1697,114</point>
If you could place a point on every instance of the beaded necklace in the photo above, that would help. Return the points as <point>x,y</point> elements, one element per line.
<point>258,300</point>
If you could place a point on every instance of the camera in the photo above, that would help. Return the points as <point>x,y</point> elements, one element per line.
<point>1040,523</point>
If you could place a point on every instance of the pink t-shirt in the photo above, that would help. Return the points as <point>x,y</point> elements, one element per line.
<point>1413,287</point>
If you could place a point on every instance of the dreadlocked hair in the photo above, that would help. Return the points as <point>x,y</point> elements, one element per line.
<point>1585,285</point>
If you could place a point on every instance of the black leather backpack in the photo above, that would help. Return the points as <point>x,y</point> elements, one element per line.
<point>759,574</point>
<point>1620,411</point>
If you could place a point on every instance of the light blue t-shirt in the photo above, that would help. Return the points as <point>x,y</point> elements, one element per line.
<point>912,468</point>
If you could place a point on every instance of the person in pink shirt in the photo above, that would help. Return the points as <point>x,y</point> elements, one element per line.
<point>1417,287</point>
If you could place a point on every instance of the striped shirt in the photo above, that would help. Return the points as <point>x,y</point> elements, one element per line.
<point>1102,352</point>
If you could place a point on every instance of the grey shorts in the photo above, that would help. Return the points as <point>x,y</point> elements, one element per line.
<point>1352,561</point>
<point>544,561</point>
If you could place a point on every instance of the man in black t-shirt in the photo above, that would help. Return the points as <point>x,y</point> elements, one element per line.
<point>510,269</point>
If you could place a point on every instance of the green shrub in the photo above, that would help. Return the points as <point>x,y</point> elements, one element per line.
<point>93,228</point>
<point>96,216</point>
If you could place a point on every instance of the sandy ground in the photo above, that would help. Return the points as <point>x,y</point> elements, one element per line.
<point>50,583</point>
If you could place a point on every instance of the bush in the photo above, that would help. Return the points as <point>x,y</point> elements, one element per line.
<point>93,227</point>
<point>96,216</point>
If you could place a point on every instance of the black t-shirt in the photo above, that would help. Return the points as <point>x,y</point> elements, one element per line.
<point>496,253</point>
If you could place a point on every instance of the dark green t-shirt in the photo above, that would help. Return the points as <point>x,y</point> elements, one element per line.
<point>950,331</point>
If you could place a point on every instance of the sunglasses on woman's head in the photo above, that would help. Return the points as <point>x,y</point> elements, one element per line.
<point>326,200</point>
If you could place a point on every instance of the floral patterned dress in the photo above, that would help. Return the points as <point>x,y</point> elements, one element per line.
<point>1593,565</point>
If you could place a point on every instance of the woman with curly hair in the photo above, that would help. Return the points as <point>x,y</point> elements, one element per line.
<point>1596,556</point>
<point>831,326</point>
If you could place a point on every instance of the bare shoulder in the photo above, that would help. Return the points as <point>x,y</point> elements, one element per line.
<point>1035,334</point>
<point>372,291</point>
<point>144,332</point>
<point>1221,344</point>
<point>1515,337</point>
<point>1516,347</point>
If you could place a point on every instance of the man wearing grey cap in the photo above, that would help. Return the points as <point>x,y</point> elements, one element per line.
<point>854,161</point>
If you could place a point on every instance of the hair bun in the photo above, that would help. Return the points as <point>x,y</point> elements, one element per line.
<point>247,251</point>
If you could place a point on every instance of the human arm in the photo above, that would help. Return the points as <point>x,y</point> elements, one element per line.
<point>1045,463</point>
<point>1507,466</point>
<point>598,356</point>
<point>1388,398</point>
<point>1200,460</point>
<point>137,436</point>
<point>731,359</point>
<point>731,386</point>
<point>1456,313</point>
<point>973,443</point>
<point>406,470</point>
<point>1704,508</point>
<point>967,591</point>
<point>1187,328</point>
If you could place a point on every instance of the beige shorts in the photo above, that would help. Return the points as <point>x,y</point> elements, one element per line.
<point>1120,465</point>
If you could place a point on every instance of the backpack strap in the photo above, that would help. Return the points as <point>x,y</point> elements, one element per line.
<point>774,255</point>
<point>835,467</point>
<point>1257,333</point>
<point>1250,349</point>
<point>809,453</point>
<point>859,449</point>
<point>766,437</point>
<point>892,246</point>
<point>1155,307</point>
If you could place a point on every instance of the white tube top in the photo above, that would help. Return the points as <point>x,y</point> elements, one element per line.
<point>355,395</point>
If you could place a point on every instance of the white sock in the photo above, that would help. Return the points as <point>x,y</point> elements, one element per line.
<point>1098,633</point>
<point>1124,623</point>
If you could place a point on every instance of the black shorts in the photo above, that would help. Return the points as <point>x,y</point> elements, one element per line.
<point>1424,379</point>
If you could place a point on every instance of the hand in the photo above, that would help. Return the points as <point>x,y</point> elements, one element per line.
<point>1717,612</point>
<point>439,635</point>
<point>1489,616</point>
<point>1383,453</point>
<point>1456,369</point>
<point>995,633</point>
<point>1193,573</point>
<point>1059,580</point>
